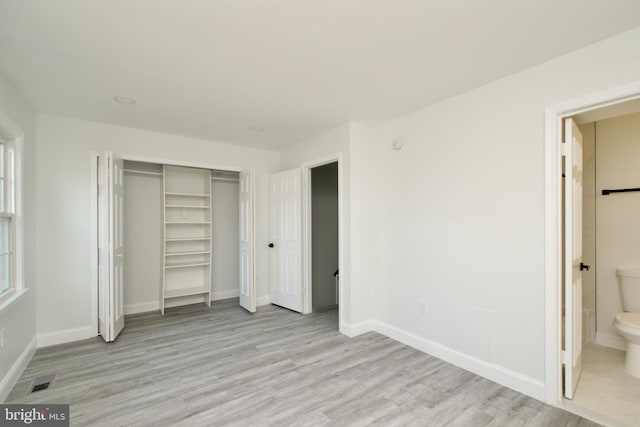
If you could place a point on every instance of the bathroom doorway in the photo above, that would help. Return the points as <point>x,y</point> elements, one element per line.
<point>609,238</point>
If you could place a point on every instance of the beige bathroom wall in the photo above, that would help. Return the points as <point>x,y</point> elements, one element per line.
<point>617,225</point>
<point>589,231</point>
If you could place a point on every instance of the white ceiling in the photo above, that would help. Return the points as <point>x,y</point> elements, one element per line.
<point>213,68</point>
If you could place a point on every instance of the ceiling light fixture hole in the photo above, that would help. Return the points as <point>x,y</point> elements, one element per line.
<point>124,100</point>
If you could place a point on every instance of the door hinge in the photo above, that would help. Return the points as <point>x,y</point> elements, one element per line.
<point>563,357</point>
<point>564,148</point>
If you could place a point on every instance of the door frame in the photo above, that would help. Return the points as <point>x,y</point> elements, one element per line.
<point>554,115</point>
<point>94,211</point>
<point>307,259</point>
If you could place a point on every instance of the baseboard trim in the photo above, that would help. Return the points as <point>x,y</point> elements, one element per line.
<point>514,380</point>
<point>589,323</point>
<point>218,295</point>
<point>354,329</point>
<point>146,307</point>
<point>263,300</point>
<point>613,341</point>
<point>18,367</point>
<point>65,336</point>
<point>143,307</point>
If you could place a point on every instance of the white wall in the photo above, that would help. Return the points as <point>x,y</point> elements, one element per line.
<point>617,226</point>
<point>461,214</point>
<point>143,242</point>
<point>63,189</point>
<point>589,231</point>
<point>19,321</point>
<point>363,224</point>
<point>324,235</point>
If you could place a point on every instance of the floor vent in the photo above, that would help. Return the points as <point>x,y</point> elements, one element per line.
<point>42,383</point>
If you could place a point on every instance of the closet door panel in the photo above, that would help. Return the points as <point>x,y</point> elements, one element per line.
<point>247,249</point>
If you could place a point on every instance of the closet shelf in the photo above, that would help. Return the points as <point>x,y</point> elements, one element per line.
<point>187,194</point>
<point>175,293</point>
<point>186,216</point>
<point>187,206</point>
<point>193,264</point>
<point>186,253</point>
<point>187,222</point>
<point>187,239</point>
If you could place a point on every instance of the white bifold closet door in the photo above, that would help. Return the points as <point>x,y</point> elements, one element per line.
<point>110,246</point>
<point>246,213</point>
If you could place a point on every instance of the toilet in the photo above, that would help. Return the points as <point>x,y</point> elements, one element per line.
<point>627,323</point>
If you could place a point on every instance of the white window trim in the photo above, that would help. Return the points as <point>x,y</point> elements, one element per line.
<point>10,131</point>
<point>10,298</point>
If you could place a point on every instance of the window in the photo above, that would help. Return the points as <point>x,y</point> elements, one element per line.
<point>7,217</point>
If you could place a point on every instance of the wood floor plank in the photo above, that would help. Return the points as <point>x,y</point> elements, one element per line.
<point>220,366</point>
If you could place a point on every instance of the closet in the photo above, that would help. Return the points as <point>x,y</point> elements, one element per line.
<point>186,255</point>
<point>181,228</point>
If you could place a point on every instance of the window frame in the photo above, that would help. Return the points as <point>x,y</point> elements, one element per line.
<point>11,136</point>
<point>7,207</point>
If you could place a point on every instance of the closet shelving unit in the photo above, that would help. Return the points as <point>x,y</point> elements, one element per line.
<point>186,255</point>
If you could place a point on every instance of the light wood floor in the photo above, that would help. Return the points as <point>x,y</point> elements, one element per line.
<point>222,366</point>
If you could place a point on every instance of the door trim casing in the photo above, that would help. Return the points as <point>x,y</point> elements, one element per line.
<point>306,234</point>
<point>554,114</point>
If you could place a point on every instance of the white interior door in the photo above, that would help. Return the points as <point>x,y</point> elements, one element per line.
<point>247,282</point>
<point>111,247</point>
<point>572,356</point>
<point>285,231</point>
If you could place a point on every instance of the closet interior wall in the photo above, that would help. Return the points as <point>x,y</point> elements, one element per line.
<point>143,238</point>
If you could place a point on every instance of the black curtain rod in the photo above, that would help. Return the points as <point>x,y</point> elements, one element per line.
<point>621,190</point>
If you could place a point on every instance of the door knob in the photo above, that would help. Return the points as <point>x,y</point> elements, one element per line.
<point>270,245</point>
<point>584,267</point>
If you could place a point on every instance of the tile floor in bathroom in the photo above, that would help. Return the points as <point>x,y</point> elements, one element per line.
<point>604,388</point>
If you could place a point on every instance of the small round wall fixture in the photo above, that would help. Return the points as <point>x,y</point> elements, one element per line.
<point>124,100</point>
<point>397,143</point>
